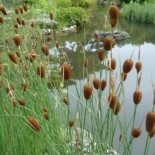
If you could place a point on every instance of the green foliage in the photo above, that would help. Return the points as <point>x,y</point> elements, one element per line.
<point>82,3</point>
<point>72,16</point>
<point>140,13</point>
<point>62,3</point>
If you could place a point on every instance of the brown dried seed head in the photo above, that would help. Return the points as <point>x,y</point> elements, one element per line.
<point>127,66</point>
<point>71,123</point>
<point>152,133</point>
<point>112,101</point>
<point>32,24</point>
<point>88,91</point>
<point>33,122</point>
<point>114,15</point>
<point>103,84</point>
<point>1,69</point>
<point>22,102</point>
<point>65,100</point>
<point>57,45</point>
<point>118,108</point>
<point>124,76</point>
<point>25,7</point>
<point>13,57</point>
<point>51,16</point>
<point>137,96</point>
<point>96,83</point>
<point>40,71</point>
<point>136,132</point>
<point>108,43</point>
<point>16,25</point>
<point>101,54</point>
<point>23,22</point>
<point>19,21</point>
<point>85,62</point>
<point>3,10</point>
<point>112,63</point>
<point>45,49</point>
<point>46,115</point>
<point>17,39</point>
<point>24,86</point>
<point>66,71</point>
<point>150,121</point>
<point>18,54</point>
<point>21,10</point>
<point>1,19</point>
<point>16,10</point>
<point>138,66</point>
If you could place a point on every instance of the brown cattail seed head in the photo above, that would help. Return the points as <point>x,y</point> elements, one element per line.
<point>1,19</point>
<point>19,21</point>
<point>101,54</point>
<point>66,71</point>
<point>108,43</point>
<point>112,101</point>
<point>137,96</point>
<point>112,64</point>
<point>152,133</point>
<point>85,62</point>
<point>65,100</point>
<point>40,71</point>
<point>3,10</point>
<point>24,86</point>
<point>46,115</point>
<point>96,83</point>
<point>103,84</point>
<point>150,121</point>
<point>18,54</point>
<point>16,25</point>
<point>13,57</point>
<point>88,90</point>
<point>34,123</point>
<point>71,123</point>
<point>21,10</point>
<point>138,66</point>
<point>45,49</point>
<point>117,108</point>
<point>127,66</point>
<point>57,45</point>
<point>23,22</point>
<point>16,10</point>
<point>22,102</point>
<point>17,39</point>
<point>114,15</point>
<point>124,76</point>
<point>136,132</point>
<point>25,7</point>
<point>51,16</point>
<point>1,69</point>
<point>32,24</point>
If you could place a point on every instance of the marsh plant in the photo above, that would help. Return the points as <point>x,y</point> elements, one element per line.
<point>35,114</point>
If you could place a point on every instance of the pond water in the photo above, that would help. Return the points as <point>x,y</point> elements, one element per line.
<point>143,38</point>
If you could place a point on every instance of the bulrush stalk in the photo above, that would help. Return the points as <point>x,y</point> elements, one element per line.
<point>85,62</point>
<point>17,39</point>
<point>114,15</point>
<point>124,76</point>
<point>127,66</point>
<point>13,57</point>
<point>66,71</point>
<point>108,43</point>
<point>33,122</point>
<point>45,49</point>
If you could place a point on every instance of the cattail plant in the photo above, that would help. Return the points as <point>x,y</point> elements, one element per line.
<point>85,62</point>
<point>45,49</point>
<point>32,23</point>
<point>1,19</point>
<point>51,16</point>
<point>108,43</point>
<point>65,100</point>
<point>40,71</point>
<point>19,20</point>
<point>137,96</point>
<point>114,15</point>
<point>138,66</point>
<point>136,132</point>
<point>152,133</point>
<point>150,121</point>
<point>45,113</point>
<point>17,11</point>
<point>3,10</point>
<point>23,22</point>
<point>103,84</point>
<point>17,39</point>
<point>33,122</point>
<point>113,100</point>
<point>112,64</point>
<point>71,123</point>
<point>21,10</point>
<point>101,54</point>
<point>25,7</point>
<point>124,76</point>
<point>18,54</point>
<point>24,86</point>
<point>66,71</point>
<point>117,109</point>
<point>127,65</point>
<point>13,57</point>
<point>22,102</point>
<point>88,91</point>
<point>96,83</point>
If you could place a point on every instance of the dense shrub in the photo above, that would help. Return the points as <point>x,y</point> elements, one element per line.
<point>82,3</point>
<point>72,15</point>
